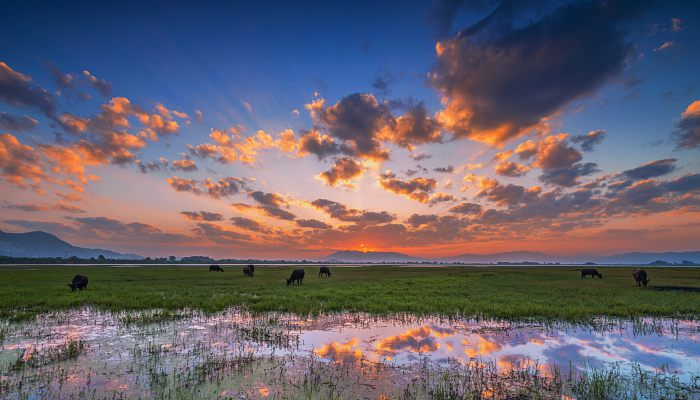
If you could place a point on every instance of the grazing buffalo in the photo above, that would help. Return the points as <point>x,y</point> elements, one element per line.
<point>251,267</point>
<point>640,277</point>
<point>79,282</point>
<point>592,272</point>
<point>297,276</point>
<point>247,271</point>
<point>324,271</point>
<point>215,268</point>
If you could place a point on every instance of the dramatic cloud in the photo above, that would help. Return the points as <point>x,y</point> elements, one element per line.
<point>105,228</point>
<point>687,134</point>
<point>202,216</point>
<point>268,199</point>
<point>101,85</point>
<point>358,121</point>
<point>416,188</point>
<point>500,78</point>
<point>383,81</point>
<point>553,154</point>
<point>320,145</point>
<point>438,198</point>
<point>105,138</point>
<point>184,185</point>
<point>589,140</point>
<point>224,187</point>
<point>61,207</point>
<point>651,169</point>
<point>343,213</point>
<point>63,81</point>
<point>466,208</point>
<point>110,228</point>
<point>414,128</point>
<point>568,176</point>
<point>16,123</point>
<point>19,163</point>
<point>249,224</point>
<point>511,169</point>
<point>18,90</point>
<point>269,204</point>
<point>505,195</point>
<point>342,172</point>
<point>279,213</point>
<point>152,165</point>
<point>445,170</point>
<point>312,223</point>
<point>184,165</point>
<point>218,234</point>
<point>228,147</point>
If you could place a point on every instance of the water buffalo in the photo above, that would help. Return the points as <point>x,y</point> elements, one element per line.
<point>251,267</point>
<point>79,282</point>
<point>297,276</point>
<point>324,271</point>
<point>215,268</point>
<point>592,272</point>
<point>247,271</point>
<point>640,277</point>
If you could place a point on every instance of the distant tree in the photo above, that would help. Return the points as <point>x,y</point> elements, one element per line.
<point>73,259</point>
<point>172,259</point>
<point>101,258</point>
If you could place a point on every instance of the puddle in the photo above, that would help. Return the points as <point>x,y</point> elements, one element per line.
<point>238,355</point>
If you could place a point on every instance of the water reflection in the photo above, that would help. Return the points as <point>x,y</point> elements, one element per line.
<point>244,355</point>
<point>670,346</point>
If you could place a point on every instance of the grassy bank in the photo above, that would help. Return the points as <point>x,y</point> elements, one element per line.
<point>498,292</point>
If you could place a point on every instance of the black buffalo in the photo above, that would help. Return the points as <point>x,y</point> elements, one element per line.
<point>640,277</point>
<point>79,282</point>
<point>592,272</point>
<point>251,267</point>
<point>297,276</point>
<point>247,271</point>
<point>215,268</point>
<point>324,271</point>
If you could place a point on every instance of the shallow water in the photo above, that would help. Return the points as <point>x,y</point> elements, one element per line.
<point>92,354</point>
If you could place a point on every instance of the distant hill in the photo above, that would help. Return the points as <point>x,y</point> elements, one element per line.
<point>41,244</point>
<point>370,256</point>
<point>511,257</point>
<point>646,258</point>
<point>521,257</point>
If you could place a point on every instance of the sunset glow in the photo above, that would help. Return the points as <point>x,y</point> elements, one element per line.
<point>352,127</point>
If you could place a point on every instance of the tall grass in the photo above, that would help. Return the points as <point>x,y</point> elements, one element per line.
<point>546,293</point>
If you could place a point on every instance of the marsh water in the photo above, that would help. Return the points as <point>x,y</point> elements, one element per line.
<point>92,354</point>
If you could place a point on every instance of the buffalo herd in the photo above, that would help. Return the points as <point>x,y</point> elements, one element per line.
<point>80,282</point>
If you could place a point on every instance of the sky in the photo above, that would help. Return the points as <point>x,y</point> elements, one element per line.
<point>292,130</point>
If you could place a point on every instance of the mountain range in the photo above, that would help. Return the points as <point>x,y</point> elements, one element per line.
<point>40,244</point>
<point>45,245</point>
<point>518,257</point>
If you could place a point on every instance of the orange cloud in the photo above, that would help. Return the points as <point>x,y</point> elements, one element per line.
<point>418,189</point>
<point>19,163</point>
<point>418,340</point>
<point>480,347</point>
<point>342,172</point>
<point>347,352</point>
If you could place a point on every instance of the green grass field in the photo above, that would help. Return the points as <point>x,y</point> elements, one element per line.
<point>498,292</point>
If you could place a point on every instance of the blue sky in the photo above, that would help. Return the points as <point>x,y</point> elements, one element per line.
<point>261,66</point>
